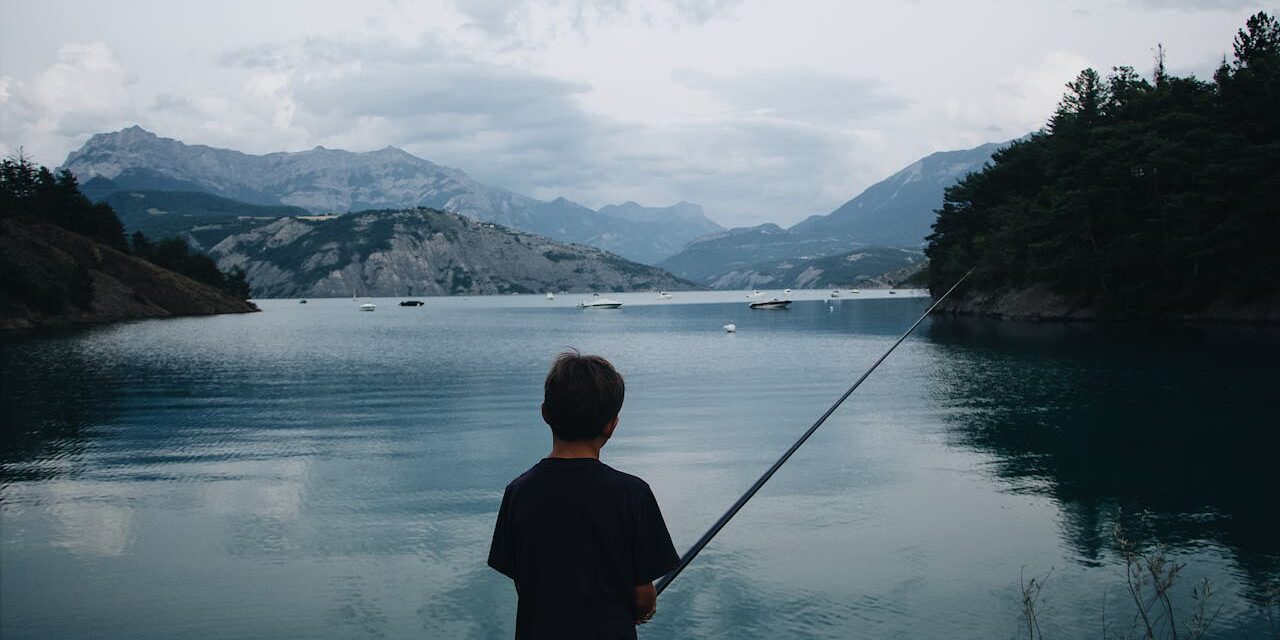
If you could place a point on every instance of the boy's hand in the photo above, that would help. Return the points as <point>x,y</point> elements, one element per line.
<point>646,602</point>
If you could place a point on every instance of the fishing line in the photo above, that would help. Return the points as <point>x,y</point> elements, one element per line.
<point>728,515</point>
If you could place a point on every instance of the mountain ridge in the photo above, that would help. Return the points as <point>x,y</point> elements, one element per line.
<point>422,252</point>
<point>325,180</point>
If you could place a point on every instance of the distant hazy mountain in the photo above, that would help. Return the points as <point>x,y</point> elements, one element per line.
<point>897,212</point>
<point>649,234</point>
<point>707,258</point>
<point>857,268</point>
<point>422,252</point>
<point>332,180</point>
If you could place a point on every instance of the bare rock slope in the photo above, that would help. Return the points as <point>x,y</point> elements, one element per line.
<point>422,252</point>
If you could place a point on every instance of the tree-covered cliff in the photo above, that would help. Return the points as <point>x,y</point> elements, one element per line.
<point>1150,197</point>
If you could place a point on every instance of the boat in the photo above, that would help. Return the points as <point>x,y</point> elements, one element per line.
<point>731,328</point>
<point>854,291</point>
<point>755,294</point>
<point>368,306</point>
<point>771,304</point>
<point>411,303</point>
<point>303,301</point>
<point>893,293</point>
<point>663,295</point>
<point>551,296</point>
<point>786,291</point>
<point>596,302</point>
<point>835,293</point>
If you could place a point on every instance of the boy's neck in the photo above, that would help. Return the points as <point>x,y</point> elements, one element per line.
<point>576,448</point>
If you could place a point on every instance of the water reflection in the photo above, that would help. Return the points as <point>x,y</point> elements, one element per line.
<point>53,401</point>
<point>1175,421</point>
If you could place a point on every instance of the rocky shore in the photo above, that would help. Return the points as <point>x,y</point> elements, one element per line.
<point>1040,303</point>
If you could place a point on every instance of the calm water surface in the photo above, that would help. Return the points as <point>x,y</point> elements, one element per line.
<point>312,471</point>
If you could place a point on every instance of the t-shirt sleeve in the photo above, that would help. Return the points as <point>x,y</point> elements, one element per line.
<point>502,553</point>
<point>655,554</point>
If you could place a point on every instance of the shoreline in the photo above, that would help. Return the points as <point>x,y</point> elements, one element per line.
<point>1040,304</point>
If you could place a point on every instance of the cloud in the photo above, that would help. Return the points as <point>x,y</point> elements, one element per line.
<point>783,150</point>
<point>86,91</point>
<point>519,19</point>
<point>530,133</point>
<point>504,124</point>
<point>797,94</point>
<point>1023,100</point>
<point>1196,5</point>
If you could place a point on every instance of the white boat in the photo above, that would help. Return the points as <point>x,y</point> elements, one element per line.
<point>771,304</point>
<point>368,306</point>
<point>786,291</point>
<point>854,291</point>
<point>663,295</point>
<point>731,328</point>
<point>755,294</point>
<point>551,296</point>
<point>596,302</point>
<point>835,293</point>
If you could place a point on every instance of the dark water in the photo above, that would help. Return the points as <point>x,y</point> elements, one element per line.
<point>313,471</point>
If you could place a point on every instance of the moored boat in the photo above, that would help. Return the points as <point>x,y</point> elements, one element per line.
<point>411,303</point>
<point>368,306</point>
<point>770,304</point>
<point>596,302</point>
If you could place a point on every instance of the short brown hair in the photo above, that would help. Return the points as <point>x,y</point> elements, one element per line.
<point>581,395</point>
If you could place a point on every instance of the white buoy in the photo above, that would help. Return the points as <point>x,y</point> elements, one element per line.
<point>731,328</point>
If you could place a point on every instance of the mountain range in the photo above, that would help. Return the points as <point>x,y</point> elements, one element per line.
<point>324,180</point>
<point>165,187</point>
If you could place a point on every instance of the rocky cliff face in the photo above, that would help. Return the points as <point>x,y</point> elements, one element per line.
<point>422,252</point>
<point>333,180</point>
<point>55,277</point>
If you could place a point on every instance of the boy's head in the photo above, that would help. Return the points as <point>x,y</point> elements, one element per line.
<point>582,396</point>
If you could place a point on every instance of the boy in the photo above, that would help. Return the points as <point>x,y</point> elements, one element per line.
<point>582,541</point>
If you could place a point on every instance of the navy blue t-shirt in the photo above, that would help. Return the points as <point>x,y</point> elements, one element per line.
<point>578,537</point>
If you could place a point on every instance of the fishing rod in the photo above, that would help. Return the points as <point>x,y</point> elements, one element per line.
<point>737,506</point>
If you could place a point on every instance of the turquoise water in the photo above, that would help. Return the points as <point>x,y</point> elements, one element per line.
<point>313,471</point>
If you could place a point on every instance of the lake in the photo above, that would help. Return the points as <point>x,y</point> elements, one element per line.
<point>314,471</point>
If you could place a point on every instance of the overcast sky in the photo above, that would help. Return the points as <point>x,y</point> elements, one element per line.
<point>763,111</point>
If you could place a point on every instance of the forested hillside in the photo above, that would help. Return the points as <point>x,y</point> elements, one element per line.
<point>1141,197</point>
<point>64,260</point>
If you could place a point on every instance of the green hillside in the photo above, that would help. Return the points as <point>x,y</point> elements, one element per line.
<point>203,217</point>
